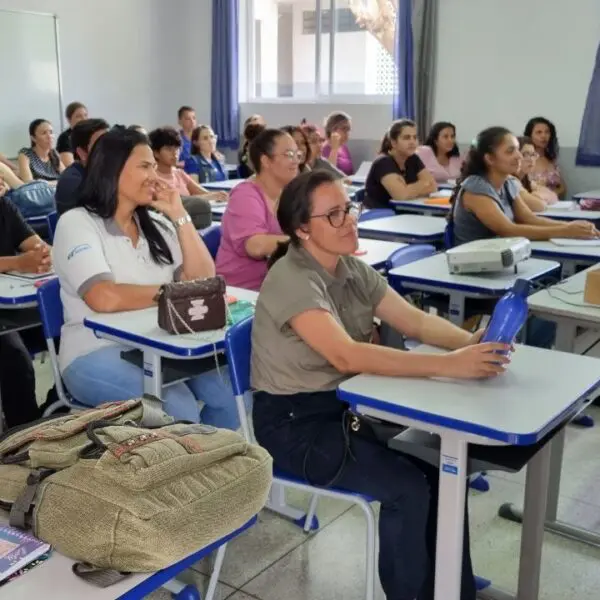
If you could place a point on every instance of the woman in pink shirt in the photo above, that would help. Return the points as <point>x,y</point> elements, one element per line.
<point>337,131</point>
<point>440,153</point>
<point>250,231</point>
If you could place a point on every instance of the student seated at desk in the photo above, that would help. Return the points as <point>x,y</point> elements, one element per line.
<point>83,137</point>
<point>75,113</point>
<point>316,140</point>
<point>537,197</point>
<point>337,131</point>
<point>186,116</point>
<point>40,160</point>
<point>398,173</point>
<point>301,139</point>
<point>313,328</point>
<point>250,231</point>
<point>23,251</point>
<point>546,172</point>
<point>205,161</point>
<point>487,202</point>
<point>440,153</point>
<point>111,255</point>
<point>252,128</point>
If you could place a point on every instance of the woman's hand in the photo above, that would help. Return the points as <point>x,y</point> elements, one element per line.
<point>36,260</point>
<point>478,361</point>
<point>476,339</point>
<point>168,201</point>
<point>584,230</point>
<point>335,140</point>
<point>217,196</point>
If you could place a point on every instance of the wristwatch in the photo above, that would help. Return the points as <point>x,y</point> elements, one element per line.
<point>182,221</point>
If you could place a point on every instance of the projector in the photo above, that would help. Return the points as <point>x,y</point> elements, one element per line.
<point>488,256</point>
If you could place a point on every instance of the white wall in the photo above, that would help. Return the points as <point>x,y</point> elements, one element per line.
<point>132,61</point>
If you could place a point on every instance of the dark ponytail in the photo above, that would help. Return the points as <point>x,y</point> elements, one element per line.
<point>386,144</point>
<point>487,142</point>
<point>392,134</point>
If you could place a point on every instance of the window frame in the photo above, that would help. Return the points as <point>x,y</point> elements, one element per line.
<point>247,77</point>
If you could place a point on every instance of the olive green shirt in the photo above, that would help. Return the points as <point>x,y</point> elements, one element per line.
<point>282,363</point>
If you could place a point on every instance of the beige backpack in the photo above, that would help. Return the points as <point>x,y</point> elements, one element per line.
<point>118,488</point>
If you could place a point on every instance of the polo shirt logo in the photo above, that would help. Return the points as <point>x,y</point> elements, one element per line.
<point>197,310</point>
<point>75,251</point>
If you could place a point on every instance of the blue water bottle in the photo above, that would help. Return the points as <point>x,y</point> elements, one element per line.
<point>509,315</point>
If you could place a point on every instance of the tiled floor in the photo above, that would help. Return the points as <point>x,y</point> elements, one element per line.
<point>276,561</point>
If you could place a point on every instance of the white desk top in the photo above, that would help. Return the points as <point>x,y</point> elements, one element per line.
<point>378,251</point>
<point>140,328</point>
<point>517,407</point>
<point>571,215</point>
<point>551,250</point>
<point>434,271</point>
<point>17,292</point>
<point>226,185</point>
<point>592,195</point>
<point>218,210</point>
<point>415,227</point>
<point>565,299</point>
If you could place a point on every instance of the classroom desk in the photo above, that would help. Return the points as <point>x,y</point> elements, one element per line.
<point>519,407</point>
<point>570,257</point>
<point>223,186</point>
<point>404,228</point>
<point>218,209</point>
<point>564,305</point>
<point>591,195</point>
<point>572,215</point>
<point>54,579</point>
<point>431,275</point>
<point>17,292</point>
<point>421,207</point>
<point>378,251</point>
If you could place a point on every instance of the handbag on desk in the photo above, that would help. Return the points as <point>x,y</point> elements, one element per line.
<point>192,306</point>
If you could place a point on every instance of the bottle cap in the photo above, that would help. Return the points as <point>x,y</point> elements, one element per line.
<point>522,287</point>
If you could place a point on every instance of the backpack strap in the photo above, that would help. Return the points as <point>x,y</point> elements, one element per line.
<point>21,507</point>
<point>102,578</point>
<point>153,413</point>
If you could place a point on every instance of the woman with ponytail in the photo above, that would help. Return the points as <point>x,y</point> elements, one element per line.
<point>488,201</point>
<point>111,255</point>
<point>398,173</point>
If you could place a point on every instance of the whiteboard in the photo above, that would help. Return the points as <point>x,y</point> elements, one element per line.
<point>30,86</point>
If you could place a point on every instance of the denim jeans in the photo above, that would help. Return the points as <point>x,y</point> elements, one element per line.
<point>303,433</point>
<point>103,376</point>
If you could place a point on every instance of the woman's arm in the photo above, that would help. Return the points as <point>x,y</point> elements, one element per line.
<point>545,194</point>
<point>262,245</point>
<point>398,189</point>
<point>525,215</point>
<point>24,169</point>
<point>532,201</point>
<point>194,188</point>
<point>109,297</point>
<point>66,158</point>
<point>319,330</point>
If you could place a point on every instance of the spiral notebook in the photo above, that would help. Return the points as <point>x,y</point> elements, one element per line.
<point>17,550</point>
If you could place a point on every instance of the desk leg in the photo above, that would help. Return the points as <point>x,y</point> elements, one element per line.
<point>152,374</point>
<point>456,308</point>
<point>450,518</point>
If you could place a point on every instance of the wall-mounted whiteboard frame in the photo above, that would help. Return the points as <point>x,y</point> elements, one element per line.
<point>23,98</point>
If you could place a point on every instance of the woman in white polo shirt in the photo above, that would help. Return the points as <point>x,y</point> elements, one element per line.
<point>112,254</point>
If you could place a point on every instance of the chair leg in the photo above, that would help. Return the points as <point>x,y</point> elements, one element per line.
<point>312,509</point>
<point>371,549</point>
<point>216,571</point>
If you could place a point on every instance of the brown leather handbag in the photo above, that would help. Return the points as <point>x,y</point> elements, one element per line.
<point>192,306</point>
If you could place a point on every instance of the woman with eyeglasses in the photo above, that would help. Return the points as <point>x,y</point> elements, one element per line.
<point>250,231</point>
<point>205,161</point>
<point>338,126</point>
<point>316,139</point>
<point>536,196</point>
<point>313,329</point>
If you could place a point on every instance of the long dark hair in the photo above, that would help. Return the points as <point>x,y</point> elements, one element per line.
<point>293,210</point>
<point>552,149</point>
<point>195,151</point>
<point>487,142</point>
<point>297,129</point>
<point>434,133</point>
<point>263,145</point>
<point>100,190</point>
<point>525,181</point>
<point>251,131</point>
<point>53,155</point>
<point>392,134</point>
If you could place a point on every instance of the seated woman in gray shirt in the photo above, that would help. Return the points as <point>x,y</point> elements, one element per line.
<point>313,329</point>
<point>488,202</point>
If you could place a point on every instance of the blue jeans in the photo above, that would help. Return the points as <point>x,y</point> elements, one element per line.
<point>103,376</point>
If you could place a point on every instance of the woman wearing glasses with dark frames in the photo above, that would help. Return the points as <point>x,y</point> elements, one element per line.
<point>250,231</point>
<point>312,330</point>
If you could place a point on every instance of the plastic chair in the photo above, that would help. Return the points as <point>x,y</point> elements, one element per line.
<point>238,346</point>
<point>376,213</point>
<point>359,195</point>
<point>409,254</point>
<point>212,238</point>
<point>52,220</point>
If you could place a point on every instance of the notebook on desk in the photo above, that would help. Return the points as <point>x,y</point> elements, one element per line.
<point>580,243</point>
<point>17,550</point>
<point>563,205</point>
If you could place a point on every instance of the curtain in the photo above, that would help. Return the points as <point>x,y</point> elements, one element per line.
<point>404,99</point>
<point>588,151</point>
<point>415,57</point>
<point>225,114</point>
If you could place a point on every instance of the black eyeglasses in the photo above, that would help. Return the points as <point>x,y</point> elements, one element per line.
<point>337,217</point>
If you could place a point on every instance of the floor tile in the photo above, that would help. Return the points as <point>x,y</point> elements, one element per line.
<point>201,581</point>
<point>242,596</point>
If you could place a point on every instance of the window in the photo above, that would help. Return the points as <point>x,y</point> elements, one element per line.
<point>313,49</point>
